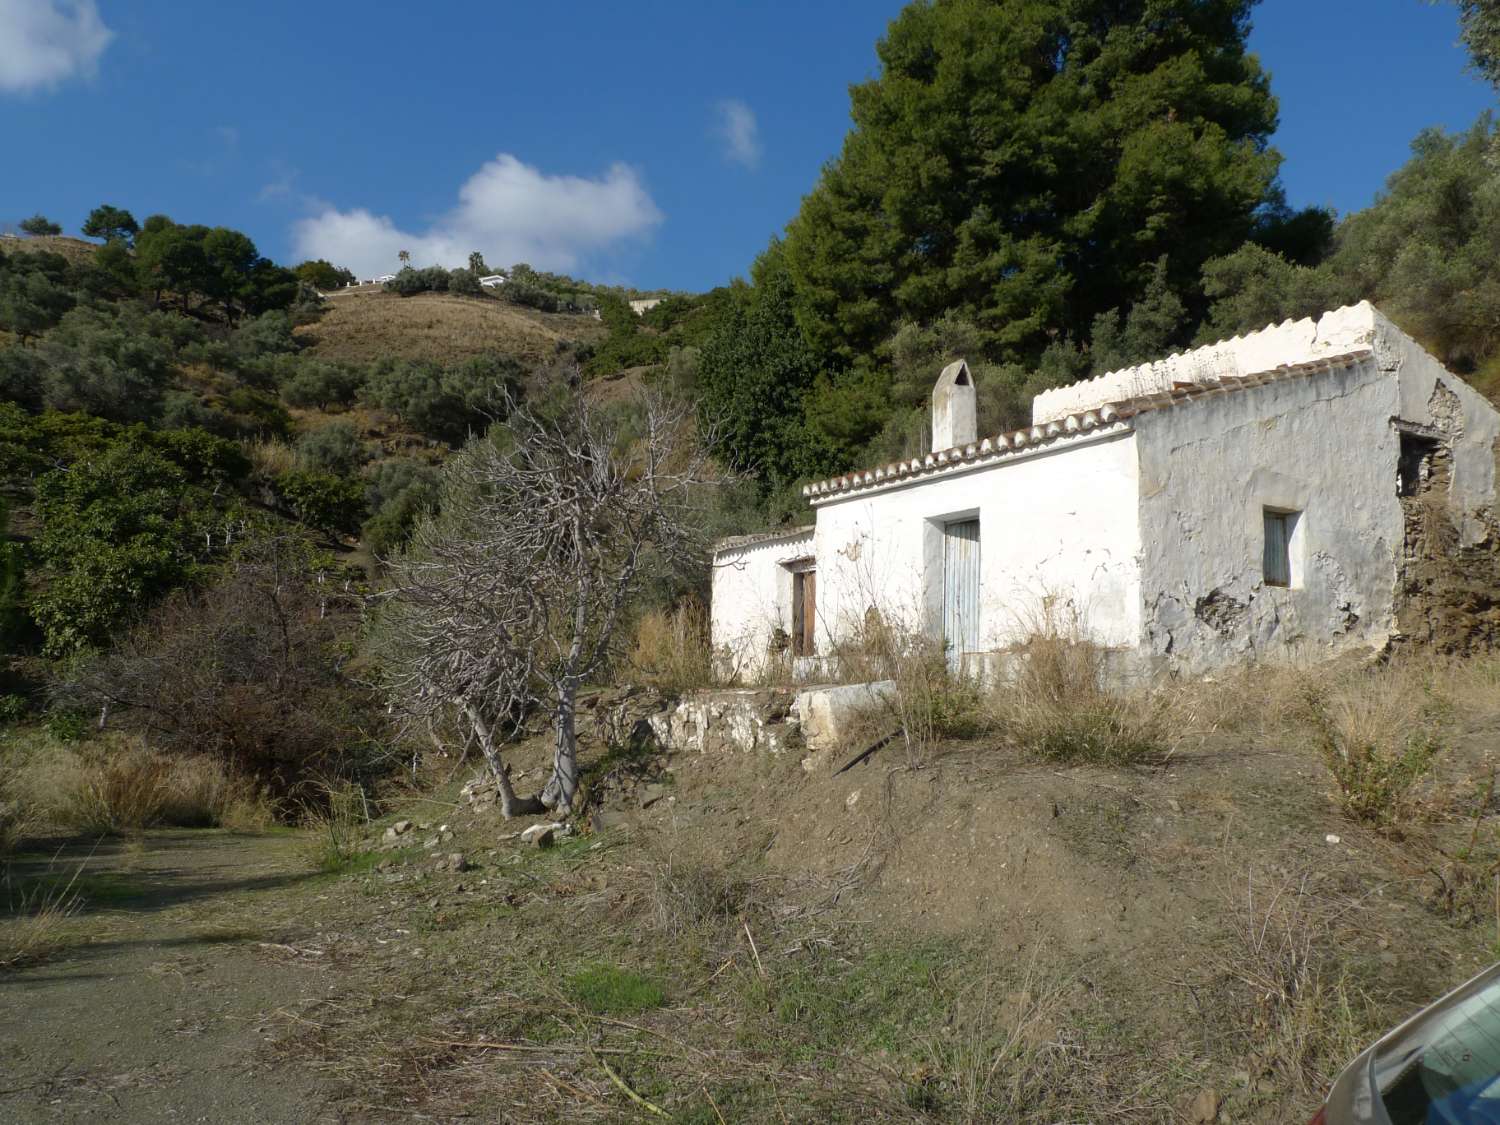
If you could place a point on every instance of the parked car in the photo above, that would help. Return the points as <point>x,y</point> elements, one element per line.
<point>1440,1067</point>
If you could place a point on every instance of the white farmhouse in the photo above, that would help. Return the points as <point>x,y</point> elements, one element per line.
<point>1264,496</point>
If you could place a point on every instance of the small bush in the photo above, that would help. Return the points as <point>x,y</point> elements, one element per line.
<point>34,929</point>
<point>67,725</point>
<point>1379,735</point>
<point>334,448</point>
<point>672,650</point>
<point>115,794</point>
<point>1058,707</point>
<point>337,820</point>
<point>607,990</point>
<point>930,701</point>
<point>115,785</point>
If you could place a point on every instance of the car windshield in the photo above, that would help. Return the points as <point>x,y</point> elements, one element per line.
<point>1445,1069</point>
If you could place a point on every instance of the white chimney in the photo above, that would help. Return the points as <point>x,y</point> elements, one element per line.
<point>954,408</point>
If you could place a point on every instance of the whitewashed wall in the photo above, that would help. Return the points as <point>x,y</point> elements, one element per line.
<point>1289,343</point>
<point>1059,522</point>
<point>752,598</point>
<point>1321,445</point>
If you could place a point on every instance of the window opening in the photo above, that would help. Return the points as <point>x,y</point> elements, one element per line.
<point>1280,527</point>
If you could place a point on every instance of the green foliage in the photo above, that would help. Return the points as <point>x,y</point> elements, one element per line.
<point>408,282</point>
<point>398,492</point>
<point>445,403</point>
<point>323,274</point>
<point>323,501</point>
<point>1479,22</point>
<point>627,345</point>
<point>111,224</point>
<point>753,373</point>
<point>39,224</point>
<point>1026,163</point>
<point>112,366</point>
<point>34,293</point>
<point>13,616</point>
<point>311,382</point>
<point>117,531</point>
<point>1147,332</point>
<point>465,283</point>
<point>334,448</point>
<point>1425,251</point>
<point>216,265</point>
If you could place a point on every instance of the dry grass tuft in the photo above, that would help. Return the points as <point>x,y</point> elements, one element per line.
<point>672,651</point>
<point>1379,734</point>
<point>1058,705</point>
<point>35,923</point>
<point>114,785</point>
<point>271,457</point>
<point>929,703</point>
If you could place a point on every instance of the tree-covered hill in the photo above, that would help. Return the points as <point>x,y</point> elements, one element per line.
<point>1059,188</point>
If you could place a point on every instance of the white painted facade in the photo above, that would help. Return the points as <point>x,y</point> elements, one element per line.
<point>1136,506</point>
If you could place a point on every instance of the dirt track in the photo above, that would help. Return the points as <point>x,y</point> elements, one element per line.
<point>161,1013</point>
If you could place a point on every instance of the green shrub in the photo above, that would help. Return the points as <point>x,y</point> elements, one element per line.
<point>334,448</point>
<point>67,725</point>
<point>1379,735</point>
<point>322,500</point>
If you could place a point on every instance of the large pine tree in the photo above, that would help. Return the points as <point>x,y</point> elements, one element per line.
<point>1028,164</point>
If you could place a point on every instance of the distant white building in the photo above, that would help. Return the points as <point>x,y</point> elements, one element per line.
<point>1251,499</point>
<point>645,305</point>
<point>493,281</point>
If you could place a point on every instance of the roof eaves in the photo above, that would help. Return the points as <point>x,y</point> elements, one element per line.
<point>1111,416</point>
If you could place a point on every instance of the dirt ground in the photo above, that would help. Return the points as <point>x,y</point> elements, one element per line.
<point>186,959</point>
<point>968,937</point>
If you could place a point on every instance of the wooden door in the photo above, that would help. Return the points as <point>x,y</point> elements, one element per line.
<point>960,590</point>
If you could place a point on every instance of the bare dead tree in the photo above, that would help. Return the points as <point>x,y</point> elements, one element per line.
<point>509,598</point>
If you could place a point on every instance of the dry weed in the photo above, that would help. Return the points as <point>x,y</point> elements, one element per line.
<point>1006,1054</point>
<point>672,651</point>
<point>928,701</point>
<point>271,457</point>
<point>35,923</point>
<point>1058,705</point>
<point>1379,733</point>
<point>1305,1020</point>
<point>115,785</point>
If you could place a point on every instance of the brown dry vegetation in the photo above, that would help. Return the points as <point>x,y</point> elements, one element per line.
<point>73,249</point>
<point>363,326</point>
<point>983,934</point>
<point>987,931</point>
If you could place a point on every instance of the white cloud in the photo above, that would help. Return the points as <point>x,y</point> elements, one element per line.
<point>44,42</point>
<point>738,129</point>
<point>509,211</point>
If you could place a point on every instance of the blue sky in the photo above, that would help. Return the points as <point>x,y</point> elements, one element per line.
<point>659,144</point>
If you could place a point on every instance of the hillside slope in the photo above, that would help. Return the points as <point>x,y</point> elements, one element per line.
<point>372,324</point>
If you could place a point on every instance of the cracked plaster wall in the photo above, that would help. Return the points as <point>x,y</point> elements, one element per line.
<point>1321,446</point>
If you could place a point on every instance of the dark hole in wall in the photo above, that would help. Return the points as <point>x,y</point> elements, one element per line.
<point>1415,463</point>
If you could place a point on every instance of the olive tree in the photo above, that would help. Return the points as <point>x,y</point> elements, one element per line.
<point>508,599</point>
